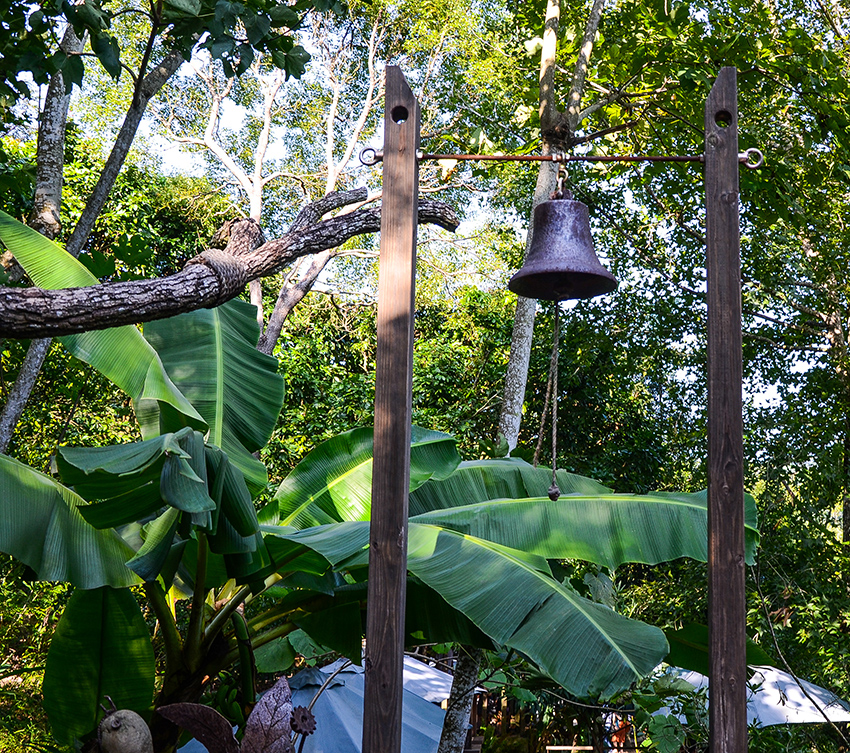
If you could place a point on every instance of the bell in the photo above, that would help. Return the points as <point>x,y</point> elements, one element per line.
<point>561,263</point>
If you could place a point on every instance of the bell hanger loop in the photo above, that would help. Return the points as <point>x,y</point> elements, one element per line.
<point>562,192</point>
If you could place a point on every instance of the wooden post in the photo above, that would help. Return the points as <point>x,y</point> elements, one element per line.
<point>393,386</point>
<point>726,595</point>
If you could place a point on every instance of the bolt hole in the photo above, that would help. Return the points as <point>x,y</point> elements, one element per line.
<point>723,119</point>
<point>399,114</point>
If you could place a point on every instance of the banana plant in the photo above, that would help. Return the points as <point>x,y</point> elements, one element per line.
<point>175,513</point>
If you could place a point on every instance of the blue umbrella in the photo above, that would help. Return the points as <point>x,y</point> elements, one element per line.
<point>339,709</point>
<point>339,713</point>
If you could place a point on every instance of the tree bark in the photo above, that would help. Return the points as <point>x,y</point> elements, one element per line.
<point>516,376</point>
<point>460,701</point>
<point>50,159</point>
<point>208,280</point>
<point>151,84</point>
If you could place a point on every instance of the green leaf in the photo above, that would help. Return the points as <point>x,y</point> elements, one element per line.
<point>236,503</point>
<point>598,652</point>
<point>689,649</point>
<point>121,354</point>
<point>296,61</point>
<point>666,733</point>
<point>283,15</point>
<point>257,25</point>
<point>587,522</point>
<point>190,7</point>
<point>97,472</point>
<point>498,478</point>
<point>41,526</point>
<point>509,595</point>
<point>214,360</point>
<point>275,656</point>
<point>101,647</point>
<point>334,482</point>
<point>159,537</point>
<point>183,483</point>
<point>107,51</point>
<point>125,508</point>
<point>338,628</point>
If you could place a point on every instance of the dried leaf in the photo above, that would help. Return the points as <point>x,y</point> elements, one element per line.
<point>208,726</point>
<point>269,727</point>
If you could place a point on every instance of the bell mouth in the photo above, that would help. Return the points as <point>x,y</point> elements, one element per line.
<point>561,286</point>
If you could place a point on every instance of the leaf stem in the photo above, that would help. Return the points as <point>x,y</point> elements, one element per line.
<point>170,636</point>
<point>219,621</point>
<point>195,633</point>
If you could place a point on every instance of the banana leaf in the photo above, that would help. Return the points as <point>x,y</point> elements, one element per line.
<point>608,529</point>
<point>213,358</point>
<point>40,525</point>
<point>121,354</point>
<point>334,482</point>
<point>511,596</point>
<point>101,647</point>
<point>499,478</point>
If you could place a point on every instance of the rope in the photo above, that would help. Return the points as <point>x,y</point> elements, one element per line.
<point>230,272</point>
<point>554,491</point>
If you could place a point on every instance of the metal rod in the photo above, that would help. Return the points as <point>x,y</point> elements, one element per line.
<point>564,157</point>
<point>750,158</point>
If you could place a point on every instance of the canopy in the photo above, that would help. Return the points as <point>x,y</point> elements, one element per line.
<point>775,697</point>
<point>339,710</point>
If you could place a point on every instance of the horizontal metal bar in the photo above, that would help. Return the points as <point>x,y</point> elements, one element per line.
<point>751,158</point>
<point>560,158</point>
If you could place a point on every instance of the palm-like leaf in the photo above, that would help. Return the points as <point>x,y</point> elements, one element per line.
<point>608,529</point>
<point>334,482</point>
<point>101,647</point>
<point>511,596</point>
<point>212,357</point>
<point>121,354</point>
<point>41,526</point>
<point>502,478</point>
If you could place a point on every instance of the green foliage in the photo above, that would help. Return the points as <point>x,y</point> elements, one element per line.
<point>232,31</point>
<point>29,611</point>
<point>235,388</point>
<point>101,647</point>
<point>120,353</point>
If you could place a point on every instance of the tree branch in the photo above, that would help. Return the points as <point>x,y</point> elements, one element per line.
<point>208,280</point>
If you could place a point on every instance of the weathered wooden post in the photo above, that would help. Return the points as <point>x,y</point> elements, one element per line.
<point>393,385</point>
<point>727,612</point>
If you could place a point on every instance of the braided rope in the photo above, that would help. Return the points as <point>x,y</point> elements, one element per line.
<point>230,272</point>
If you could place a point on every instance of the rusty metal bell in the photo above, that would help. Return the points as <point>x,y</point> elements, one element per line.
<point>561,263</point>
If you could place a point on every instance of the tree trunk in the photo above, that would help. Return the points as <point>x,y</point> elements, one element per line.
<point>460,700</point>
<point>556,133</point>
<point>45,218</point>
<point>845,485</point>
<point>516,376</point>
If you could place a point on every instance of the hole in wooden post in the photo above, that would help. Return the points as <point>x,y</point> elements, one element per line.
<point>399,114</point>
<point>723,119</point>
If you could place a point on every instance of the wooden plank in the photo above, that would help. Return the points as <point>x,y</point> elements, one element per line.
<point>393,386</point>
<point>726,573</point>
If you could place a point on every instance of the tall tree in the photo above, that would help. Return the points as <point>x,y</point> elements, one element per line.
<point>232,33</point>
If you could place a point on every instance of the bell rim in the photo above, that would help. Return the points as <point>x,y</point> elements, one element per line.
<point>591,285</point>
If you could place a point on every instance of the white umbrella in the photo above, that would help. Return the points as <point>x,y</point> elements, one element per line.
<point>775,697</point>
